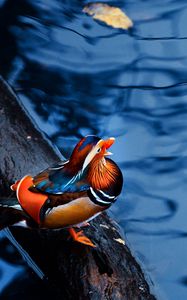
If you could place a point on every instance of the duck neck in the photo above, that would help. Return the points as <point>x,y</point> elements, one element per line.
<point>101,174</point>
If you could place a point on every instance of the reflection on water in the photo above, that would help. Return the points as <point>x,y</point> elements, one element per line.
<point>77,77</point>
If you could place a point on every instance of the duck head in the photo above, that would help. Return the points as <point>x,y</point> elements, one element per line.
<point>89,151</point>
<point>89,159</point>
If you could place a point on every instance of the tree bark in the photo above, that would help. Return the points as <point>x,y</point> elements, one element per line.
<point>74,271</point>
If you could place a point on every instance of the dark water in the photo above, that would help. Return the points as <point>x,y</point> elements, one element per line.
<point>78,77</point>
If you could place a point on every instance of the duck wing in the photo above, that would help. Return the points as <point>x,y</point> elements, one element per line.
<point>57,180</point>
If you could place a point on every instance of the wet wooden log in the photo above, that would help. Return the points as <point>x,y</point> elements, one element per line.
<point>74,271</point>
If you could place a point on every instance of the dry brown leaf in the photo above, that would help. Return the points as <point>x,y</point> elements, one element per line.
<point>110,15</point>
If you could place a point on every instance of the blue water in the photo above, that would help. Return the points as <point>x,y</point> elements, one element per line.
<point>77,76</point>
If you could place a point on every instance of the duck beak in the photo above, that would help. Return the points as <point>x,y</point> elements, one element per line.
<point>108,143</point>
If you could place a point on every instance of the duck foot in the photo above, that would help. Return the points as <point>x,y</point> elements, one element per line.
<point>80,237</point>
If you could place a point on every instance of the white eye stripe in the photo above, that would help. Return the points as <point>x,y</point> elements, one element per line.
<point>89,158</point>
<point>99,142</point>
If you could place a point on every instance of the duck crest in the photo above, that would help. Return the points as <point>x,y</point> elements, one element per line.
<point>80,152</point>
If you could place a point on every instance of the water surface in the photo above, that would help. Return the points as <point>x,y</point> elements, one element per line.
<point>77,77</point>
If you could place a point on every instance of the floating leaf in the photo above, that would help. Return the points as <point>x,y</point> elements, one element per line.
<point>110,15</point>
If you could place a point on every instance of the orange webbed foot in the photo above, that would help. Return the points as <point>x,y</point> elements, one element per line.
<point>80,237</point>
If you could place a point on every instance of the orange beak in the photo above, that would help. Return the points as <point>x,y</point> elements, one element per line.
<point>107,144</point>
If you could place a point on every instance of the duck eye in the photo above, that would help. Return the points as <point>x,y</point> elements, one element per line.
<point>98,150</point>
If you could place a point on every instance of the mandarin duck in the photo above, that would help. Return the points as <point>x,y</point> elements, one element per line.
<point>70,193</point>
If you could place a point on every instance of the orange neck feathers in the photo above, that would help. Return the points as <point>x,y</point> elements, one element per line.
<point>102,174</point>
